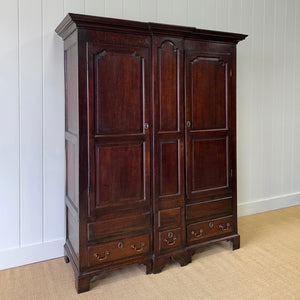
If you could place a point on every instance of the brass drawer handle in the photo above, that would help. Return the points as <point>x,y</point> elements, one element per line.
<point>223,227</point>
<point>138,249</point>
<point>170,243</point>
<point>106,253</point>
<point>194,233</point>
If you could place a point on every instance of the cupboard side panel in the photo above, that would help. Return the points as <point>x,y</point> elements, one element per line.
<point>72,147</point>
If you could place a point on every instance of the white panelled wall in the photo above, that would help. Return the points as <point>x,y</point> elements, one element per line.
<point>32,108</point>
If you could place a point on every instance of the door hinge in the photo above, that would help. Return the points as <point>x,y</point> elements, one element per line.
<point>230,73</point>
<point>231,172</point>
<point>89,191</point>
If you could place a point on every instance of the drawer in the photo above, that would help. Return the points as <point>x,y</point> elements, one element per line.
<point>112,229</point>
<point>208,208</point>
<point>169,218</point>
<point>169,239</point>
<point>118,249</point>
<point>202,230</point>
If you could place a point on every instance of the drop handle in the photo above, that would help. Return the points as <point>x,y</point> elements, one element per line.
<point>188,124</point>
<point>224,227</point>
<point>171,239</point>
<point>194,233</point>
<point>170,243</point>
<point>138,249</point>
<point>106,253</point>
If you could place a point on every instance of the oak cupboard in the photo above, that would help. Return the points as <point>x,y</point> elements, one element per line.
<point>150,137</point>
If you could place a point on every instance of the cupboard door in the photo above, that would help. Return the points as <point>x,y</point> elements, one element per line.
<point>169,117</point>
<point>209,130</point>
<point>119,128</point>
<point>169,137</point>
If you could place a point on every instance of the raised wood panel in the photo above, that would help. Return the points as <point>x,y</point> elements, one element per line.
<point>169,218</point>
<point>72,233</point>
<point>120,174</point>
<point>209,164</point>
<point>118,227</point>
<point>169,168</point>
<point>209,208</point>
<point>208,93</point>
<point>71,81</point>
<point>168,85</point>
<point>119,92</point>
<point>72,173</point>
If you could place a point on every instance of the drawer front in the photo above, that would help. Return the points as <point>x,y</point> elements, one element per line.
<point>169,239</point>
<point>199,210</point>
<point>169,218</point>
<point>120,227</point>
<point>118,249</point>
<point>209,228</point>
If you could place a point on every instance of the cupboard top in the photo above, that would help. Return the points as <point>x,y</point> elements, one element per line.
<point>74,21</point>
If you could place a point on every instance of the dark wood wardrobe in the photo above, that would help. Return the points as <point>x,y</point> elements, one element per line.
<point>150,137</point>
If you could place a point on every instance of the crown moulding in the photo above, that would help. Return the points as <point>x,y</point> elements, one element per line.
<point>77,21</point>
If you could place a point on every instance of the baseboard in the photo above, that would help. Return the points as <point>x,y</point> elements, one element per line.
<point>15,257</point>
<point>262,205</point>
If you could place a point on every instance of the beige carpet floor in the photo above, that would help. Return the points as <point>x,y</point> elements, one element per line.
<point>267,266</point>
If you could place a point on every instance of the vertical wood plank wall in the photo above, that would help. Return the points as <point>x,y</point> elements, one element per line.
<point>32,108</point>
